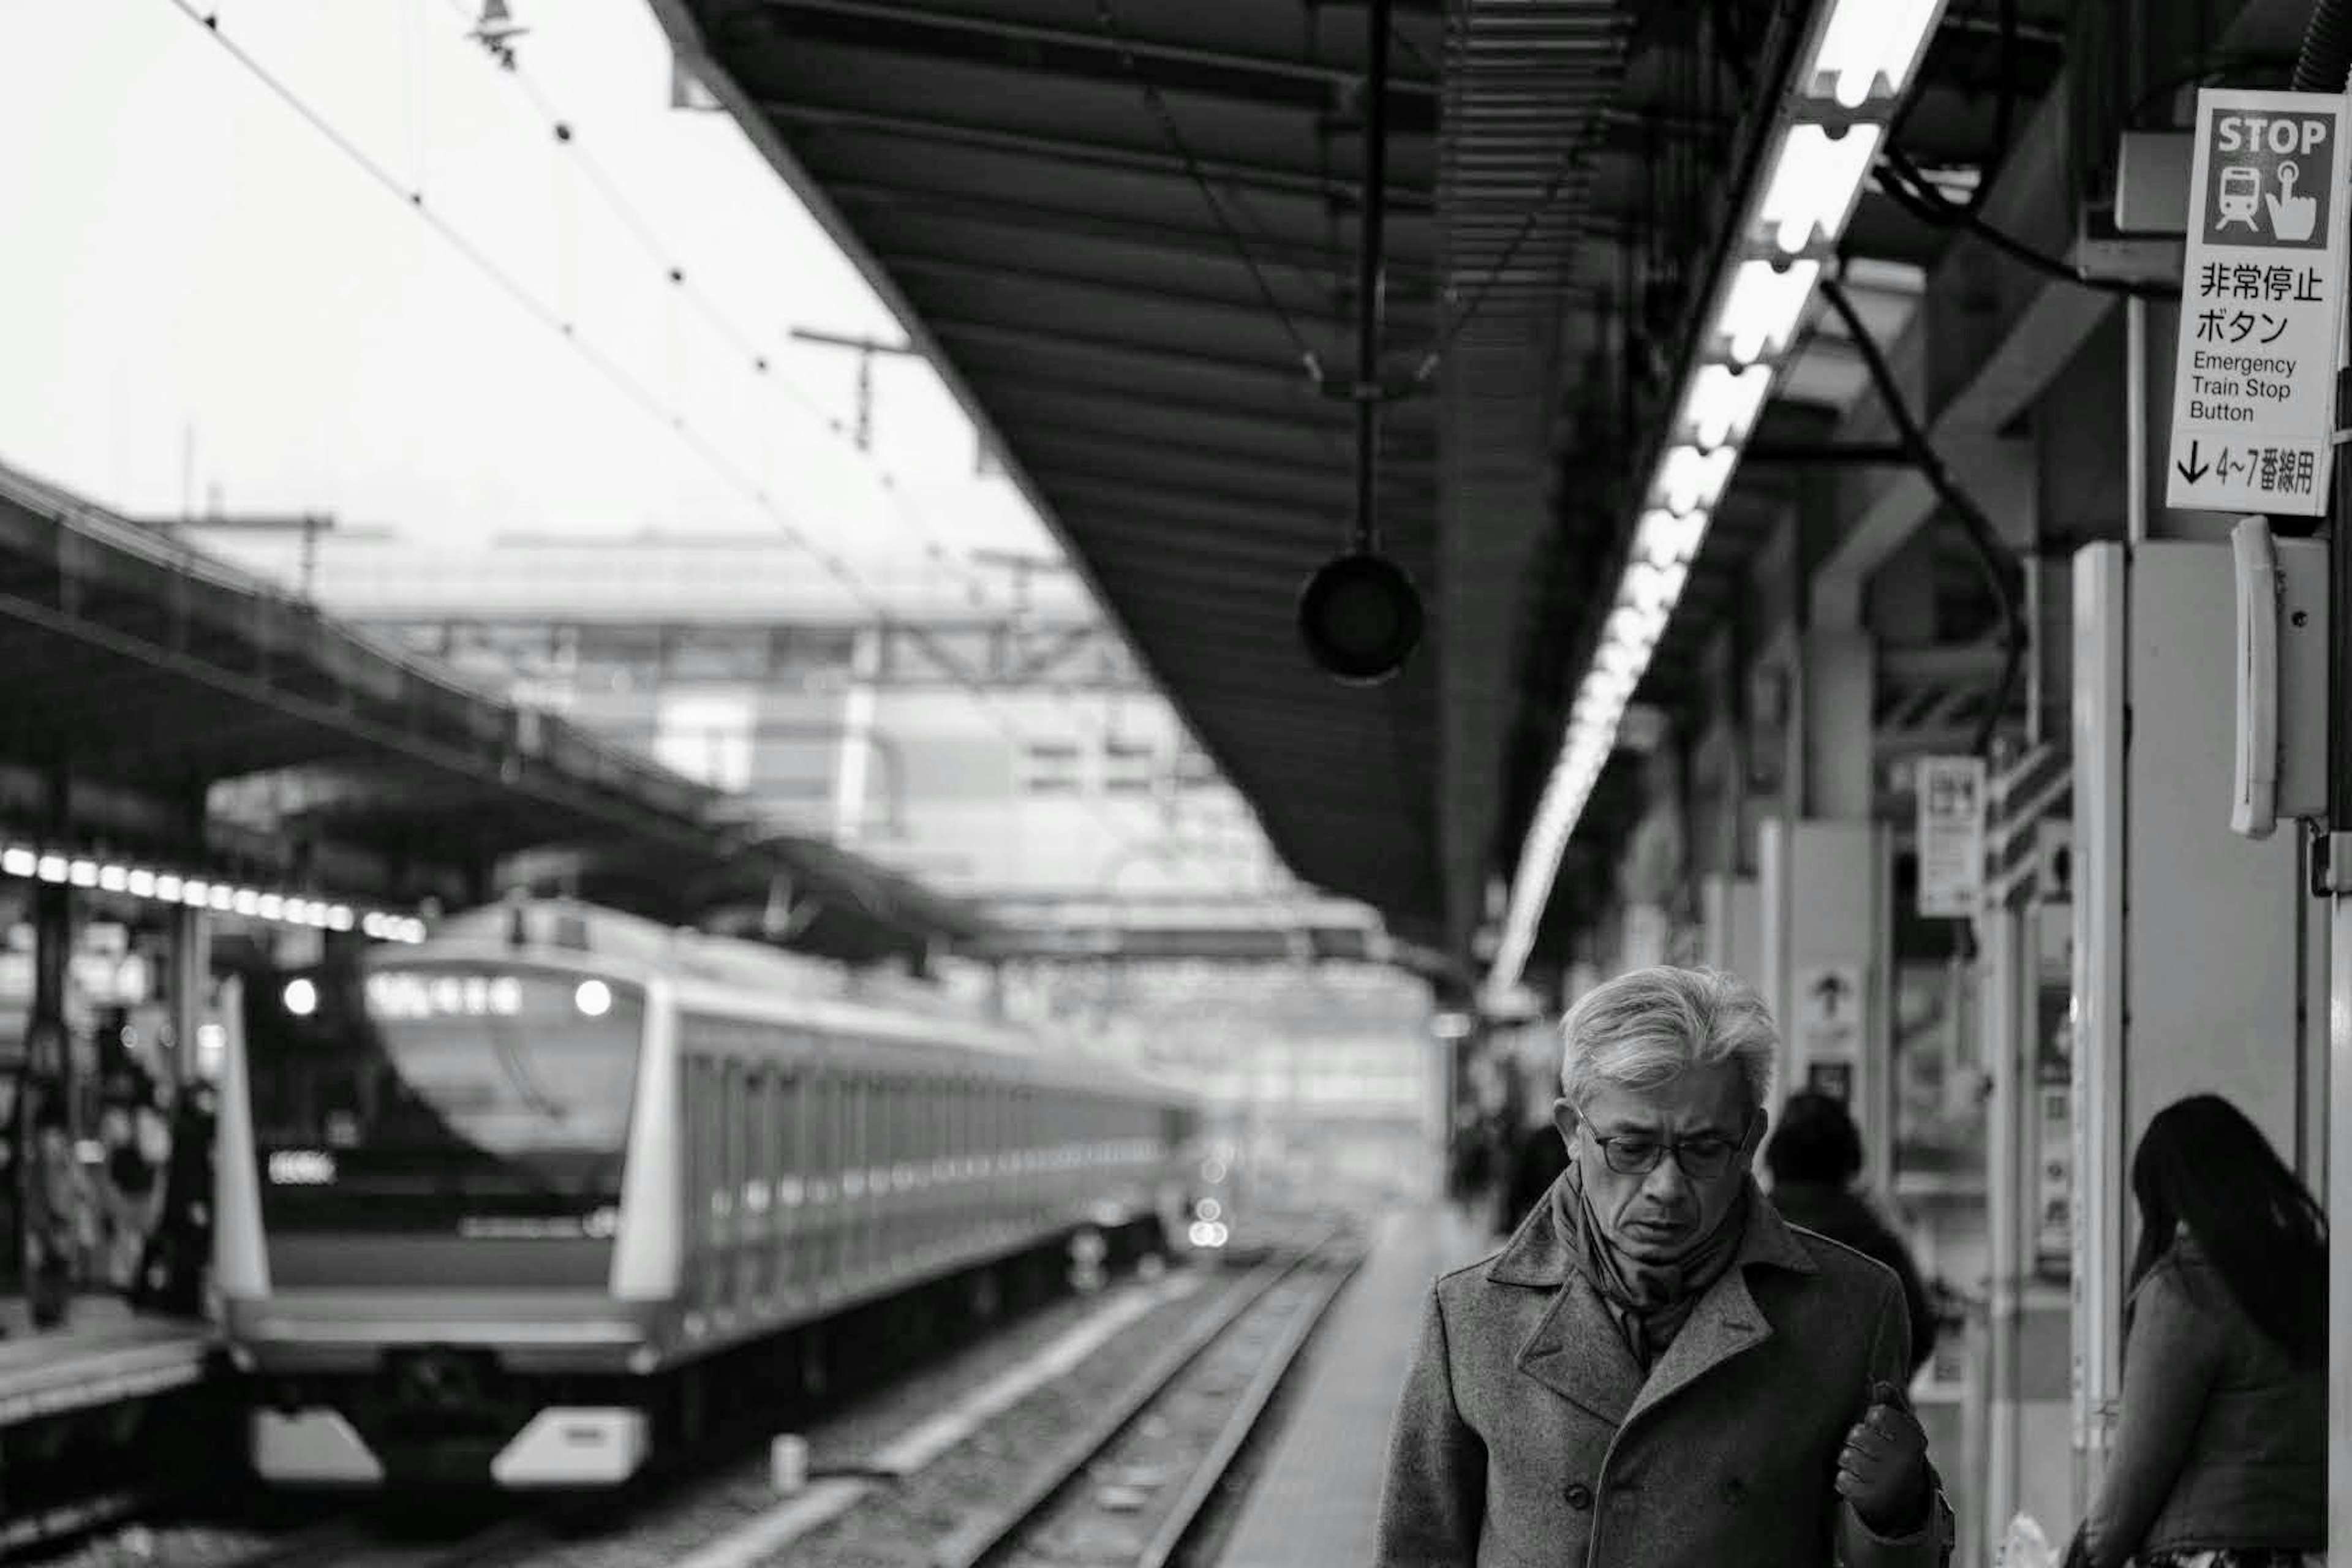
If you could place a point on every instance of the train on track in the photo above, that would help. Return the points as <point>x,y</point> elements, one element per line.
<point>527,1204</point>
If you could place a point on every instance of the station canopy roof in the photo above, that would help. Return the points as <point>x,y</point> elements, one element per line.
<point>1122,230</point>
<point>201,717</point>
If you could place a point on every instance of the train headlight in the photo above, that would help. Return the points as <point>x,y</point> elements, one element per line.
<point>594,998</point>
<point>301,998</point>
<point>1207,1233</point>
<point>1209,1208</point>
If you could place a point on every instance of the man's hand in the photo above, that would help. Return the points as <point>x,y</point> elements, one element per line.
<point>1883,1469</point>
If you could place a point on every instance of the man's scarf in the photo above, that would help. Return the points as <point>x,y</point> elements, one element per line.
<point>1650,1300</point>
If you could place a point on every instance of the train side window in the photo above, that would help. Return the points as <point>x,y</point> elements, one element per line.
<point>730,1122</point>
<point>786,1114</point>
<point>817,1117</point>
<point>710,1152</point>
<point>854,1125</point>
<point>758,1134</point>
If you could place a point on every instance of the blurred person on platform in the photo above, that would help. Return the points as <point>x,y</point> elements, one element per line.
<point>1815,1159</point>
<point>59,1213</point>
<point>2218,1454</point>
<point>1657,1372</point>
<point>1538,1158</point>
<point>171,1270</point>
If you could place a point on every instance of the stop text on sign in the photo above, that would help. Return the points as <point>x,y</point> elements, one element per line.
<point>2272,133</point>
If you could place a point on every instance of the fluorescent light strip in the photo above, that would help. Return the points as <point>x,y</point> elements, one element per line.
<point>1868,52</point>
<point>201,893</point>
<point>1864,56</point>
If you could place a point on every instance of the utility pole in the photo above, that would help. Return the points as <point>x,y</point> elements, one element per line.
<point>1024,568</point>
<point>866,349</point>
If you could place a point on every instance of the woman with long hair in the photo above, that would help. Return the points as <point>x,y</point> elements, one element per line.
<point>2220,1456</point>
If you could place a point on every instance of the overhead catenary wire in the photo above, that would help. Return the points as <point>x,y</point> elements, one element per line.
<point>2001,572</point>
<point>628,385</point>
<point>565,129</point>
<point>1571,162</point>
<point>1372,280</point>
<point>1107,19</point>
<point>1908,186</point>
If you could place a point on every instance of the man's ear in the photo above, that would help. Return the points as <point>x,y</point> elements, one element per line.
<point>1564,1117</point>
<point>1757,1128</point>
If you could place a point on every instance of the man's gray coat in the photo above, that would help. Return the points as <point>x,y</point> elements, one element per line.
<point>1527,1436</point>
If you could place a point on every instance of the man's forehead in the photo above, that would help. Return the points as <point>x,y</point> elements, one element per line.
<point>1696,1102</point>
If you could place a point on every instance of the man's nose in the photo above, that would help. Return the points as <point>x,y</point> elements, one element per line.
<point>1667,1181</point>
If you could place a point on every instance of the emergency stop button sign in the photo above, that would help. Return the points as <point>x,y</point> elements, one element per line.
<point>2266,182</point>
<point>2262,296</point>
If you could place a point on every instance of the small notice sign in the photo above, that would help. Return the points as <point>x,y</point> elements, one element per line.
<point>2262,299</point>
<point>1952,793</point>
<point>1829,1008</point>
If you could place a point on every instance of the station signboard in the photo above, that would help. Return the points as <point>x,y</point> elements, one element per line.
<point>2262,298</point>
<point>1951,836</point>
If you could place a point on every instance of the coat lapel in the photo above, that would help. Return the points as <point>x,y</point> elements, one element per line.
<point>1578,1352</point>
<point>1577,1349</point>
<point>1726,1322</point>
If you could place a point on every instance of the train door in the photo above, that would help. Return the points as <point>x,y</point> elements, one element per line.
<point>937,1143</point>
<point>856,1142</point>
<point>706,1233</point>
<point>742,1245</point>
<point>890,1215</point>
<point>824,1177</point>
<point>791,1113</point>
<point>883,1219</point>
<point>881,1178</point>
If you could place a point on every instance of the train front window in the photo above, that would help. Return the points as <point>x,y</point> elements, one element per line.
<point>473,1098</point>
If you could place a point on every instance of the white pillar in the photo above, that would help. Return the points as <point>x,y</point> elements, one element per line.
<point>2200,957</point>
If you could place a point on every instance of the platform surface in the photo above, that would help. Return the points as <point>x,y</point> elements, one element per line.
<point>1315,1504</point>
<point>102,1353</point>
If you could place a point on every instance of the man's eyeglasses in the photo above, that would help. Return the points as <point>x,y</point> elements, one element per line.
<point>1702,1158</point>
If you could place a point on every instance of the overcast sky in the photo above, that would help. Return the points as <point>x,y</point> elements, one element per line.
<point>202,295</point>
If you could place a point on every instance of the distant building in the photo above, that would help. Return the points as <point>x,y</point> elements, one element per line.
<point>737,661</point>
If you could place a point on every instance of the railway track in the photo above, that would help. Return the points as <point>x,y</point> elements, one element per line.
<point>1184,1366</point>
<point>353,1541</point>
<point>1133,1486</point>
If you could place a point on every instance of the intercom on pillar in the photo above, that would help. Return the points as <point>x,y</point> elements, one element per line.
<point>2281,751</point>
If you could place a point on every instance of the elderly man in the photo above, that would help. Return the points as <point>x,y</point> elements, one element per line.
<point>1657,1372</point>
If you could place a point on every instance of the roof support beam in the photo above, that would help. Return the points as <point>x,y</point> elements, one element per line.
<point>1040,339</point>
<point>1025,389</point>
<point>1241,302</point>
<point>2044,326</point>
<point>810,118</point>
<point>1123,449</point>
<point>1091,54</point>
<point>1205,239</point>
<point>1115,479</point>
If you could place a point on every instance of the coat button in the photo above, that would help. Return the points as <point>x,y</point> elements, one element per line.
<point>1579,1496</point>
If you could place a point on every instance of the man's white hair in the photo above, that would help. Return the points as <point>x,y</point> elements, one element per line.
<point>1647,1027</point>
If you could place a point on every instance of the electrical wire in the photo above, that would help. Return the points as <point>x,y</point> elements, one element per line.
<point>1571,162</point>
<point>1910,188</point>
<point>565,131</point>
<point>628,385</point>
<point>2004,109</point>
<point>2001,569</point>
<point>2280,67</point>
<point>1107,20</point>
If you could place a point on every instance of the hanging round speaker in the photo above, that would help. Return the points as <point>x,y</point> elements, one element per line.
<point>1361,617</point>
